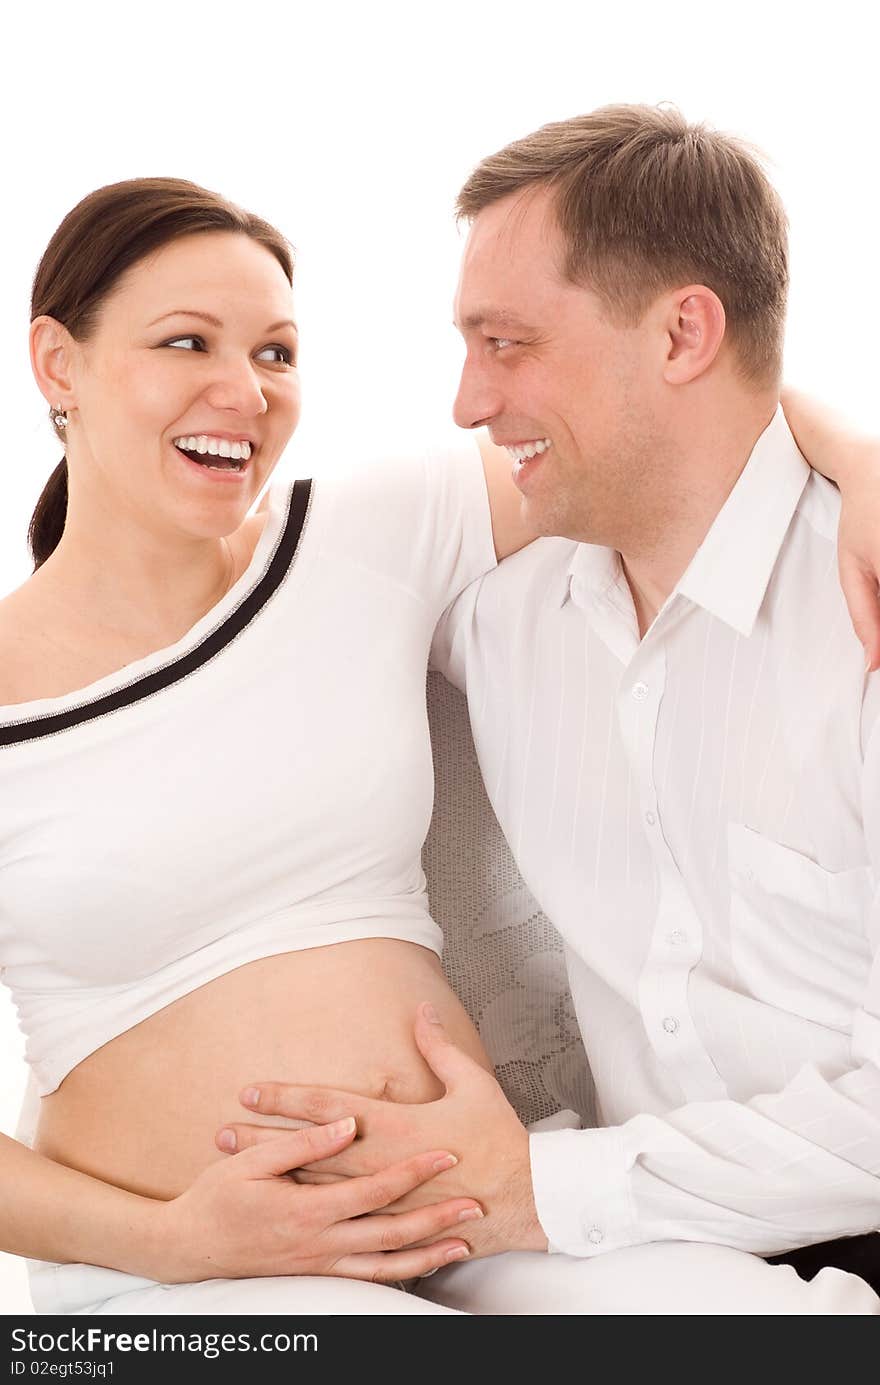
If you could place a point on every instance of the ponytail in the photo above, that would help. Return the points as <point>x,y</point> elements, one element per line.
<point>48,519</point>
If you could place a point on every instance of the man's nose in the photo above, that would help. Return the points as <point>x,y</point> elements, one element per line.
<point>477,401</point>
<point>237,386</point>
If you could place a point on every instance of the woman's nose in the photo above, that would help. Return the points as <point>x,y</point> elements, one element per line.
<point>238,386</point>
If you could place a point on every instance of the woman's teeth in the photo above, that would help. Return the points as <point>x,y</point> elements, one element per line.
<point>231,455</point>
<point>524,451</point>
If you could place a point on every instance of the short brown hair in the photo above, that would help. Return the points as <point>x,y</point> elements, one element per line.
<point>646,201</point>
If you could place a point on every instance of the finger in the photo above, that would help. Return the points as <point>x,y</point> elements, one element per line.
<point>318,1104</point>
<point>233,1139</point>
<point>438,1050</point>
<point>403,1264</point>
<point>404,1229</point>
<point>353,1197</point>
<point>860,589</point>
<point>318,1180</point>
<point>288,1150</point>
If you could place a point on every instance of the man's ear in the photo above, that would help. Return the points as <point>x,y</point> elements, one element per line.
<point>51,353</point>
<point>695,326</point>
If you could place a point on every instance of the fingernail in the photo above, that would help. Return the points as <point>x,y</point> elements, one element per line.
<point>343,1127</point>
<point>250,1096</point>
<point>226,1140</point>
<point>470,1214</point>
<point>447,1162</point>
<point>460,1253</point>
<point>431,1014</point>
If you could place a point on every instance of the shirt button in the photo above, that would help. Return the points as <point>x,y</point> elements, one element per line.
<point>670,1024</point>
<point>676,937</point>
<point>650,819</point>
<point>595,1235</point>
<point>640,691</point>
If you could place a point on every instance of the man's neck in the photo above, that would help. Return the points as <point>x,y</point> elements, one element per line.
<point>712,452</point>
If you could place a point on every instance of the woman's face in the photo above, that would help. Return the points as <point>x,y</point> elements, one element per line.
<point>194,349</point>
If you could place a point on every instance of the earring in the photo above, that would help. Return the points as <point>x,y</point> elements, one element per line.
<point>58,416</point>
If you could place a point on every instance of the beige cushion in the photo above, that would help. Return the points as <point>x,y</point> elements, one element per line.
<point>502,956</point>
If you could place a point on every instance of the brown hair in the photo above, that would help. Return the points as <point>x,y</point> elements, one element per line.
<point>646,202</point>
<point>103,236</point>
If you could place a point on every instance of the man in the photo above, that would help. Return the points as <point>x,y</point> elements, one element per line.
<point>675,729</point>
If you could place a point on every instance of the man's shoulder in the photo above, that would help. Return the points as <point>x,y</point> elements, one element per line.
<point>541,564</point>
<point>819,506</point>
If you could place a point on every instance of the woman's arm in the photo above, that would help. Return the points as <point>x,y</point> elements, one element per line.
<point>509,530</point>
<point>851,460</point>
<point>240,1218</point>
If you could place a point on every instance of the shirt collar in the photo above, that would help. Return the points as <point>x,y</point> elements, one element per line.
<point>729,573</point>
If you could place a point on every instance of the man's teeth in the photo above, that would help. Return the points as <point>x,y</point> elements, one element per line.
<point>215,447</point>
<point>524,451</point>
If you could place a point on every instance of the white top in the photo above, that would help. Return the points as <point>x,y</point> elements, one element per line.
<point>262,786</point>
<point>699,814</point>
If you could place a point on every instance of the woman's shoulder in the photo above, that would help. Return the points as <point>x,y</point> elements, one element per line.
<point>25,643</point>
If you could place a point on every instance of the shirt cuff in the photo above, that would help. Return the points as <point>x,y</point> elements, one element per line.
<point>581,1188</point>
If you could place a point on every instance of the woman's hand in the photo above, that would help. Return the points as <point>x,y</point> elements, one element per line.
<point>243,1218</point>
<point>852,461</point>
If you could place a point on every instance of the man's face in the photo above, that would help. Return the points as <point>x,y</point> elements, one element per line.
<point>549,374</point>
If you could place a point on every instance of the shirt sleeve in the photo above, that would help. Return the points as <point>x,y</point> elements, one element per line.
<point>784,1169</point>
<point>421,521</point>
<point>450,643</point>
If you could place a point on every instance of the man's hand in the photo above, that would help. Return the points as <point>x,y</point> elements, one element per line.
<point>473,1120</point>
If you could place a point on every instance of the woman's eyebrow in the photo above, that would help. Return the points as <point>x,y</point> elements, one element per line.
<point>215,321</point>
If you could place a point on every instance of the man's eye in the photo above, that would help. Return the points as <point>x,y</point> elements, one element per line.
<point>281,353</point>
<point>501,343</point>
<point>188,343</point>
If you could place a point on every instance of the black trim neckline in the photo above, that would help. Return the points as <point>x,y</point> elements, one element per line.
<point>35,728</point>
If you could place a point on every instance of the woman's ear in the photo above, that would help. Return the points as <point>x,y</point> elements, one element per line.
<point>695,329</point>
<point>51,357</point>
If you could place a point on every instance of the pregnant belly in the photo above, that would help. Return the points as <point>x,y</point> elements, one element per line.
<point>142,1111</point>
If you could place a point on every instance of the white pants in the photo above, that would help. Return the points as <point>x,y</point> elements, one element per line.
<point>663,1279</point>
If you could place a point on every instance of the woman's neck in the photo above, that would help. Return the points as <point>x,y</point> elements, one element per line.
<point>150,588</point>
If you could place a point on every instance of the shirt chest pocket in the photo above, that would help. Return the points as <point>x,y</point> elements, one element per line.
<point>798,932</point>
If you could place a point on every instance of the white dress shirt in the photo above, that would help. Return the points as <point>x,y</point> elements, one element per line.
<point>698,812</point>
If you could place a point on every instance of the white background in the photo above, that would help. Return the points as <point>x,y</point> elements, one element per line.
<point>351,127</point>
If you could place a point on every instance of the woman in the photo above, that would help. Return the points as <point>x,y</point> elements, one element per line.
<point>217,782</point>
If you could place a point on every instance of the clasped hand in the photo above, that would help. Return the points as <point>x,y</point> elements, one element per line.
<point>473,1119</point>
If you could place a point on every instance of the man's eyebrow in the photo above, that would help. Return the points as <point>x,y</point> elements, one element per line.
<point>497,317</point>
<point>215,321</point>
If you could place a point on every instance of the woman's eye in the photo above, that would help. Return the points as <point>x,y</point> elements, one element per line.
<point>282,354</point>
<point>188,343</point>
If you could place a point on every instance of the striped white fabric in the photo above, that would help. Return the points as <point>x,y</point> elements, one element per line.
<point>699,815</point>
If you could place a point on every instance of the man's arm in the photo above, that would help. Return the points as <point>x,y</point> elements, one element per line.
<point>786,1169</point>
